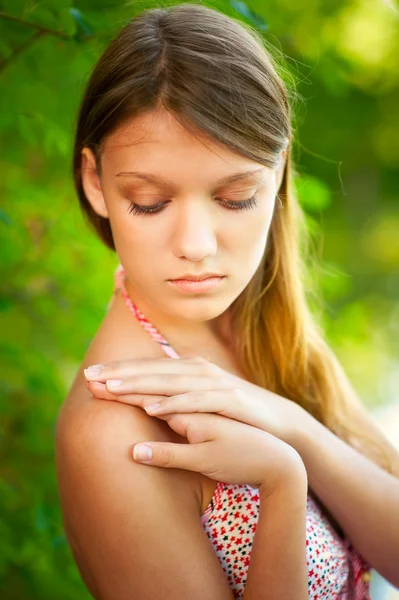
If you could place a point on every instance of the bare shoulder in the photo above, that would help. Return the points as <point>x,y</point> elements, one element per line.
<point>119,336</point>
<point>104,422</point>
<point>90,430</point>
<point>98,436</point>
<point>122,517</point>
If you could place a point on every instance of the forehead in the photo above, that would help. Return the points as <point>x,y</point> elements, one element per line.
<point>152,127</point>
<point>158,141</point>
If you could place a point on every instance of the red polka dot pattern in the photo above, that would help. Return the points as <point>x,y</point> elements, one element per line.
<point>230,522</point>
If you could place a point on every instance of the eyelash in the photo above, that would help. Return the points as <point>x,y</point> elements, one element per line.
<point>239,205</point>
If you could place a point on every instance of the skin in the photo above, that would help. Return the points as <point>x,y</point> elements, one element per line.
<point>193,234</point>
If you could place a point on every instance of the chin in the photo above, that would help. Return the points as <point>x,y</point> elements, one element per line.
<point>195,310</point>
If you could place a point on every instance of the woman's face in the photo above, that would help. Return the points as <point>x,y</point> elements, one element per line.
<point>195,226</point>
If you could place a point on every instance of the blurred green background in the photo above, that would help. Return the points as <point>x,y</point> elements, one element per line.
<point>56,278</point>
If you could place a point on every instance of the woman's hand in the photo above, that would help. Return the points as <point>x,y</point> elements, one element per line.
<point>195,385</point>
<point>229,451</point>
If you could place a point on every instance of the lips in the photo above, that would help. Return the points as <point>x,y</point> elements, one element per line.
<point>203,278</point>
<point>188,277</point>
<point>204,285</point>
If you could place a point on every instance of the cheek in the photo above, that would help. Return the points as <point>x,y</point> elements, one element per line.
<point>248,237</point>
<point>137,242</point>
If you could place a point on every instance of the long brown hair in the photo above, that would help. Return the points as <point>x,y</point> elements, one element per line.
<point>218,75</point>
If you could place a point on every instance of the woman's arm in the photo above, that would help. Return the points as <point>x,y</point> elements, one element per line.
<point>360,495</point>
<point>354,489</point>
<point>278,561</point>
<point>135,532</point>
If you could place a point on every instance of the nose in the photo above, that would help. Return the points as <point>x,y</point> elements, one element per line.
<point>194,235</point>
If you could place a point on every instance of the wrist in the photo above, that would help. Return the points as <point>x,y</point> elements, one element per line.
<point>298,427</point>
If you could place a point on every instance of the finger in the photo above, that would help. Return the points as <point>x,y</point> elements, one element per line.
<point>125,368</point>
<point>100,392</point>
<point>166,384</point>
<point>172,456</point>
<point>202,401</point>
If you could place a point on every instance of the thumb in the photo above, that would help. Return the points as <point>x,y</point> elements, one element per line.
<point>166,454</point>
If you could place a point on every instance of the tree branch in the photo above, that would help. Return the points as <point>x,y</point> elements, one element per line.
<point>40,31</point>
<point>40,28</point>
<point>19,49</point>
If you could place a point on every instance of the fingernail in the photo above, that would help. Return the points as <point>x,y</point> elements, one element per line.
<point>142,452</point>
<point>93,371</point>
<point>113,383</point>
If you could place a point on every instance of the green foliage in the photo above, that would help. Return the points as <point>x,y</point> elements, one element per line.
<point>57,278</point>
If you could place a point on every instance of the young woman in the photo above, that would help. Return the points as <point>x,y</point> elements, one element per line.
<point>268,479</point>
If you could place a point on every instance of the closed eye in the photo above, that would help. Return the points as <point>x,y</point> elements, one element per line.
<point>138,209</point>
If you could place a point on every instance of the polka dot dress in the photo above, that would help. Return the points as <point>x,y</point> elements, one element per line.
<point>335,569</point>
<point>230,523</point>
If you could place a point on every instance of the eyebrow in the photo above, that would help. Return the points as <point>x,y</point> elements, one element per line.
<point>165,182</point>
